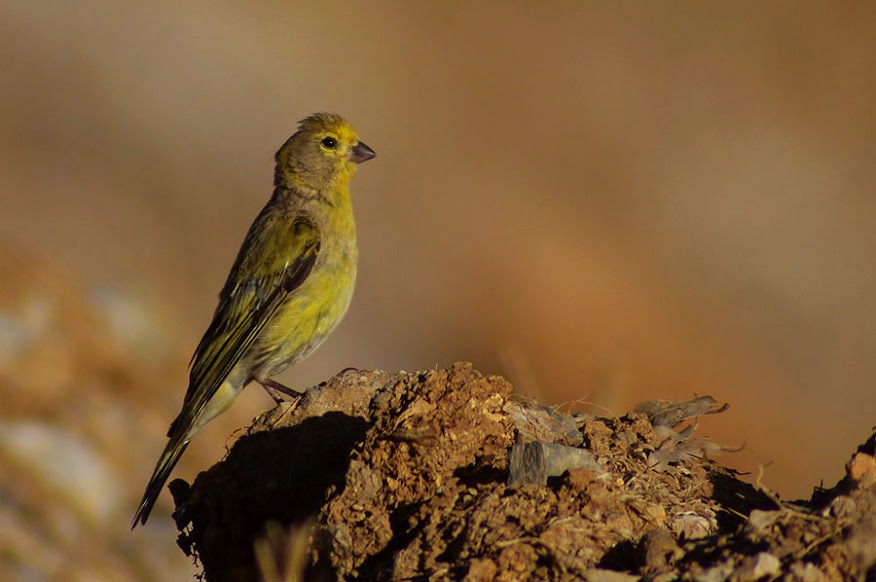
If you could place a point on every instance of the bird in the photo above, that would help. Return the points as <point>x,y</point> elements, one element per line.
<point>288,289</point>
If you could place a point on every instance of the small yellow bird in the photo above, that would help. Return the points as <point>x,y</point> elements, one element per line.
<point>290,285</point>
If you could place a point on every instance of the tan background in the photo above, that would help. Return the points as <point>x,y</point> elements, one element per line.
<point>606,203</point>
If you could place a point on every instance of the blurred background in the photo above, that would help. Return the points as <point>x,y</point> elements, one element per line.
<point>604,202</point>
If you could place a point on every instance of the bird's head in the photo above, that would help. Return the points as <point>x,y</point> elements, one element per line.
<point>323,152</point>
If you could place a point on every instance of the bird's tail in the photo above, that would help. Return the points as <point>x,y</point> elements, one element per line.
<point>179,440</point>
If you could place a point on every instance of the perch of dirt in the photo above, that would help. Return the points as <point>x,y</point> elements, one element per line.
<point>447,475</point>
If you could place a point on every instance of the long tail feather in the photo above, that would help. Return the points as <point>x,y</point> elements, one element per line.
<point>165,465</point>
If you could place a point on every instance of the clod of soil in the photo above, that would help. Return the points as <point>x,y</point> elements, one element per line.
<point>395,476</point>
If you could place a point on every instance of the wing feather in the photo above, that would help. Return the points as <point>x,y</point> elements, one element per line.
<point>282,255</point>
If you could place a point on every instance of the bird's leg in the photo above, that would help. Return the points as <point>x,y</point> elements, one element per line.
<point>273,393</point>
<point>274,388</point>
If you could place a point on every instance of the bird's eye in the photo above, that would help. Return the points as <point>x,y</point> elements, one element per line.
<point>329,143</point>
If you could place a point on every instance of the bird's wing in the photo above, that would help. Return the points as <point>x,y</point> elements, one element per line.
<point>276,259</point>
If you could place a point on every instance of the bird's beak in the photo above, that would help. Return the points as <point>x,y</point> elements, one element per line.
<point>361,153</point>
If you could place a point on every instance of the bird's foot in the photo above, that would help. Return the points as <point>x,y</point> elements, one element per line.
<point>274,388</point>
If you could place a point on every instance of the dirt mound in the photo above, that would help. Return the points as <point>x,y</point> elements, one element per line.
<point>447,475</point>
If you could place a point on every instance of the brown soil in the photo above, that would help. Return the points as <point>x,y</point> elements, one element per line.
<point>397,476</point>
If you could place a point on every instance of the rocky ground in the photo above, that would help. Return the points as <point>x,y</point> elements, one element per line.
<point>447,475</point>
